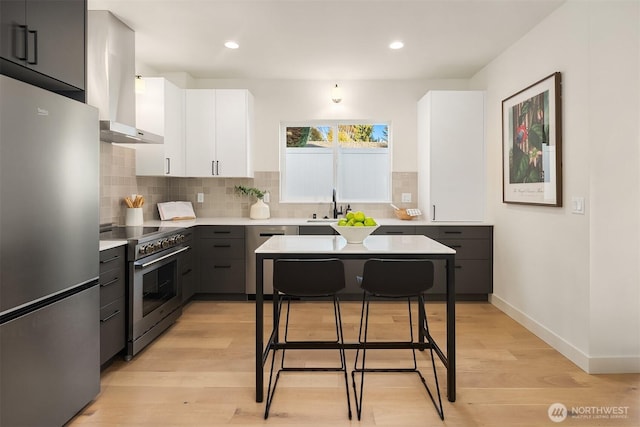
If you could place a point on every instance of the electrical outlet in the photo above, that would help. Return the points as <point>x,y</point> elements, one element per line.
<point>200,197</point>
<point>406,197</point>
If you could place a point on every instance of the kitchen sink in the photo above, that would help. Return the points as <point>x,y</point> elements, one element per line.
<point>322,220</point>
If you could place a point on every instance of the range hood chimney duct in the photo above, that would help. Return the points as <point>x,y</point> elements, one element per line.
<point>111,79</point>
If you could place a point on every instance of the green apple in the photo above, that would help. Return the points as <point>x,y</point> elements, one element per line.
<point>369,222</point>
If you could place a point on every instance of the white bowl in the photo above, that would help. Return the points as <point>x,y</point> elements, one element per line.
<point>353,234</point>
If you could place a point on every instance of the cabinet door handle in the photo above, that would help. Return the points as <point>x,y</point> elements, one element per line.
<point>25,40</point>
<point>110,282</point>
<point>222,232</point>
<point>217,167</point>
<point>221,246</point>
<point>106,261</point>
<point>453,232</point>
<point>168,161</point>
<point>35,48</point>
<point>455,246</point>
<point>393,232</point>
<point>184,273</point>
<point>221,266</point>
<point>213,167</point>
<point>433,217</point>
<point>115,313</point>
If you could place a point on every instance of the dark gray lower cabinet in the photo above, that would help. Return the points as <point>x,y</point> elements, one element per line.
<point>474,257</point>
<point>221,258</point>
<point>187,267</point>
<point>112,302</point>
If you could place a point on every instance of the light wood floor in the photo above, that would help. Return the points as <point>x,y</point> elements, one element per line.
<point>200,373</point>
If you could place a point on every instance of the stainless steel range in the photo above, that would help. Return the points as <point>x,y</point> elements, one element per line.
<point>154,299</point>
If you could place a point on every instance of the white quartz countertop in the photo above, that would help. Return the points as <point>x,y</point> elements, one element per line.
<point>293,221</point>
<point>396,244</point>
<point>244,221</point>
<point>109,244</point>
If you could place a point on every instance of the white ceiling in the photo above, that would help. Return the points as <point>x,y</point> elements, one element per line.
<point>326,40</point>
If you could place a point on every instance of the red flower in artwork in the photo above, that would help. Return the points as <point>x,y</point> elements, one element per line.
<point>521,136</point>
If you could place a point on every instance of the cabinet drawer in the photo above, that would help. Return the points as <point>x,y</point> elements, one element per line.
<point>233,231</point>
<point>316,230</point>
<point>111,286</point>
<point>218,249</point>
<point>456,231</point>
<point>112,329</point>
<point>470,248</point>
<point>223,277</point>
<point>112,259</point>
<point>395,229</point>
<point>472,277</point>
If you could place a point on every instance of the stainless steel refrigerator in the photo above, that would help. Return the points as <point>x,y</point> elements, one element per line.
<point>49,256</point>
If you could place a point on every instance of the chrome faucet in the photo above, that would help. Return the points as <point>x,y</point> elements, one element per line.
<point>336,212</point>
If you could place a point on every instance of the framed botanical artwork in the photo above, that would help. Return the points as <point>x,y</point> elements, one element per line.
<point>532,144</point>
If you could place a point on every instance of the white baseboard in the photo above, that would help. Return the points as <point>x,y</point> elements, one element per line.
<point>591,365</point>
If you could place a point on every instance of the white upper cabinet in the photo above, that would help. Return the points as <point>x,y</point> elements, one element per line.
<point>451,153</point>
<point>160,109</point>
<point>219,133</point>
<point>200,131</point>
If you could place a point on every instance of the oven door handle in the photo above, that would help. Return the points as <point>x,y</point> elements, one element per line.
<point>162,258</point>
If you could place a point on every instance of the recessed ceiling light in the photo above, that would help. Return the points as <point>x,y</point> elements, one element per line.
<point>396,45</point>
<point>231,44</point>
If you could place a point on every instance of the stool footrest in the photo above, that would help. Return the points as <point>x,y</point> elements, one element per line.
<point>417,371</point>
<point>289,369</point>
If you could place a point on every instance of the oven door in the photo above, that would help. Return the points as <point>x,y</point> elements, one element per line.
<point>155,292</point>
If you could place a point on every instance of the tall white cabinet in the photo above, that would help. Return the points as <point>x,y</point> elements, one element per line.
<point>451,153</point>
<point>160,110</point>
<point>219,133</point>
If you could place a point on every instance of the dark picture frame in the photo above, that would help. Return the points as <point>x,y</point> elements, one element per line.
<point>532,144</point>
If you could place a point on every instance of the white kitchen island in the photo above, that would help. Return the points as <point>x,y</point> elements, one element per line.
<point>376,246</point>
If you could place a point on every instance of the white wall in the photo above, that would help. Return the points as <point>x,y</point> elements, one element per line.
<point>575,279</point>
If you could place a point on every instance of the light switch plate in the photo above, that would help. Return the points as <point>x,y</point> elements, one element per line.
<point>577,205</point>
<point>200,197</point>
<point>406,197</point>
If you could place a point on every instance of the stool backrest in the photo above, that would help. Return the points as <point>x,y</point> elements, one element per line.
<point>308,277</point>
<point>397,277</point>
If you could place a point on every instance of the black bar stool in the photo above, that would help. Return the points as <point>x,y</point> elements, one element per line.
<point>309,278</point>
<point>395,278</point>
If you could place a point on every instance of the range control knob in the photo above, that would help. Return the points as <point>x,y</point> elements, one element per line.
<point>142,249</point>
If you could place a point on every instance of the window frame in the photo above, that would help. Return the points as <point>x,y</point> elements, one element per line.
<point>335,148</point>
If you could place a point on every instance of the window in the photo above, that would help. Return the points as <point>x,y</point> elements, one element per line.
<point>352,157</point>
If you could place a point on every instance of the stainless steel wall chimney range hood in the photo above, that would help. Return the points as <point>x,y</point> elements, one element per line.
<point>111,79</point>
